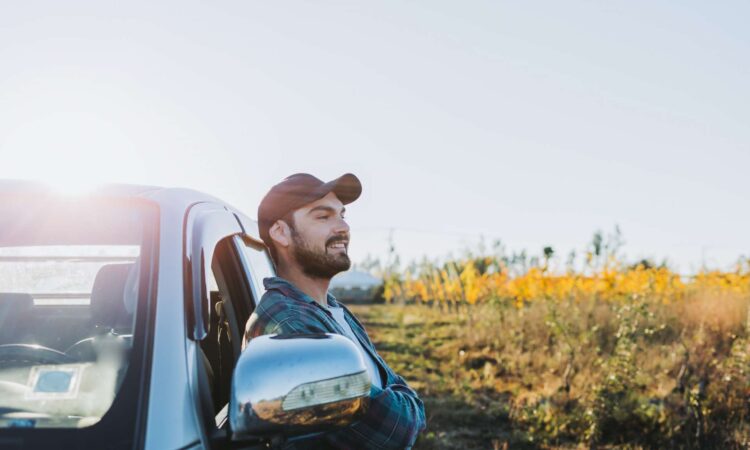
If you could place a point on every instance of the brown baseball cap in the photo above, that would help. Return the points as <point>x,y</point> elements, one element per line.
<point>296,191</point>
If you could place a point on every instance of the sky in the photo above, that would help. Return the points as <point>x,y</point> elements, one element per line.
<point>536,123</point>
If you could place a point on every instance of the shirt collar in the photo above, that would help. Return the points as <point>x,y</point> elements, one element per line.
<point>290,290</point>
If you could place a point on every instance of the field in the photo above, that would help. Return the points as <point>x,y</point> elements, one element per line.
<point>606,356</point>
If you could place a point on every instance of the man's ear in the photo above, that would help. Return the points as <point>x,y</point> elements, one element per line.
<point>280,233</point>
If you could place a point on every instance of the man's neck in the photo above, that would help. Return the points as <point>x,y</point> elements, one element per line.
<point>316,288</point>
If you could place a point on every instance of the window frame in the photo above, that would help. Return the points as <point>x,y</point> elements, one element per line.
<point>206,225</point>
<point>241,244</point>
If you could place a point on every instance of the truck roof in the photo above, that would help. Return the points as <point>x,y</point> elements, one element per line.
<point>170,198</point>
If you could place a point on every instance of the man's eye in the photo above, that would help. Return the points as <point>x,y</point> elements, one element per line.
<point>322,217</point>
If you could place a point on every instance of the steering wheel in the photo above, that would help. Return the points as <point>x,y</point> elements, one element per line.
<point>27,354</point>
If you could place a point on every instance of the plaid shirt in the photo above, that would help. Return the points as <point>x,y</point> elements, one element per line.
<point>395,415</point>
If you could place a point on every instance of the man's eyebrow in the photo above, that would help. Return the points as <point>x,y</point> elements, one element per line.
<point>327,209</point>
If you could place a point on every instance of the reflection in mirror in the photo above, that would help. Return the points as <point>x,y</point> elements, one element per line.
<point>296,385</point>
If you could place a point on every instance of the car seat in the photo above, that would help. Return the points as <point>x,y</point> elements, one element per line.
<point>109,315</point>
<point>15,313</point>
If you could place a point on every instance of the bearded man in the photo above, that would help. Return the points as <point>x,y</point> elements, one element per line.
<point>301,220</point>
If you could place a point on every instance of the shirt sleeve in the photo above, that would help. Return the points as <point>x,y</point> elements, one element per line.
<point>393,420</point>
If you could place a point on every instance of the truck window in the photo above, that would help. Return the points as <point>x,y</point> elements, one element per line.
<point>257,264</point>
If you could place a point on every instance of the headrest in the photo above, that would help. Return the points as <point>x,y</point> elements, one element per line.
<point>17,301</point>
<point>107,297</point>
<point>12,305</point>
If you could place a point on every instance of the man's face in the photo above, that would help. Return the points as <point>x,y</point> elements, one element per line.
<point>320,238</point>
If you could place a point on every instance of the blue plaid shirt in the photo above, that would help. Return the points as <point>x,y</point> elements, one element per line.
<point>395,415</point>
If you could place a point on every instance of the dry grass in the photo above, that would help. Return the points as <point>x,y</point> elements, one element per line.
<point>588,374</point>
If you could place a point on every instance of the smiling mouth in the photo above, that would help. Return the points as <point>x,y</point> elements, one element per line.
<point>338,245</point>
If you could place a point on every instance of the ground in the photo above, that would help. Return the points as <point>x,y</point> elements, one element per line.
<point>412,344</point>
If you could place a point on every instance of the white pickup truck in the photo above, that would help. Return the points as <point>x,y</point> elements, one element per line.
<point>122,315</point>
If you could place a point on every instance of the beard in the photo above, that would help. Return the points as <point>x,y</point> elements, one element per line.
<point>317,264</point>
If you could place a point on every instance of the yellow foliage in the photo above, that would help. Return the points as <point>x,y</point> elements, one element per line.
<point>461,281</point>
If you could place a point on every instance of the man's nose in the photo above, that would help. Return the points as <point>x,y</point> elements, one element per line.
<point>341,226</point>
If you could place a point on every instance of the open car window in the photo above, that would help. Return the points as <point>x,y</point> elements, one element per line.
<point>257,265</point>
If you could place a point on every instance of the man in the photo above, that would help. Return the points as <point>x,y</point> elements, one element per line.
<point>301,220</point>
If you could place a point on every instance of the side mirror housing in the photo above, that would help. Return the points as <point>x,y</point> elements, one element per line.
<point>295,385</point>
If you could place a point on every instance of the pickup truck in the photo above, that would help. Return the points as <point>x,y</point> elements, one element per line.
<point>122,316</point>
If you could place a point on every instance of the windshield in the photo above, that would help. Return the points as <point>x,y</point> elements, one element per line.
<point>70,283</point>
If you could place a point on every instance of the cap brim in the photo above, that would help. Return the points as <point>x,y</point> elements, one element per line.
<point>347,188</point>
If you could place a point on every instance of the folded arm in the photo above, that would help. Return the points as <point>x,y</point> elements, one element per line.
<point>395,415</point>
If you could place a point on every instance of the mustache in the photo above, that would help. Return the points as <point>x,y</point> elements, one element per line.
<point>335,239</point>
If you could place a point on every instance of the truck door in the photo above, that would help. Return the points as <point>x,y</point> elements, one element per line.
<point>225,268</point>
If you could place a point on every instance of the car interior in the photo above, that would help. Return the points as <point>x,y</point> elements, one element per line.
<point>231,306</point>
<point>72,330</point>
<point>75,333</point>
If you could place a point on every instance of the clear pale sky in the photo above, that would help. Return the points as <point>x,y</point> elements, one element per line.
<point>533,122</point>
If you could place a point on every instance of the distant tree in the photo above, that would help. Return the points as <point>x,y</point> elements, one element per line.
<point>645,263</point>
<point>570,264</point>
<point>548,252</point>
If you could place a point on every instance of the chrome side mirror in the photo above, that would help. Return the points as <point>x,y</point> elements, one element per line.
<point>297,384</point>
